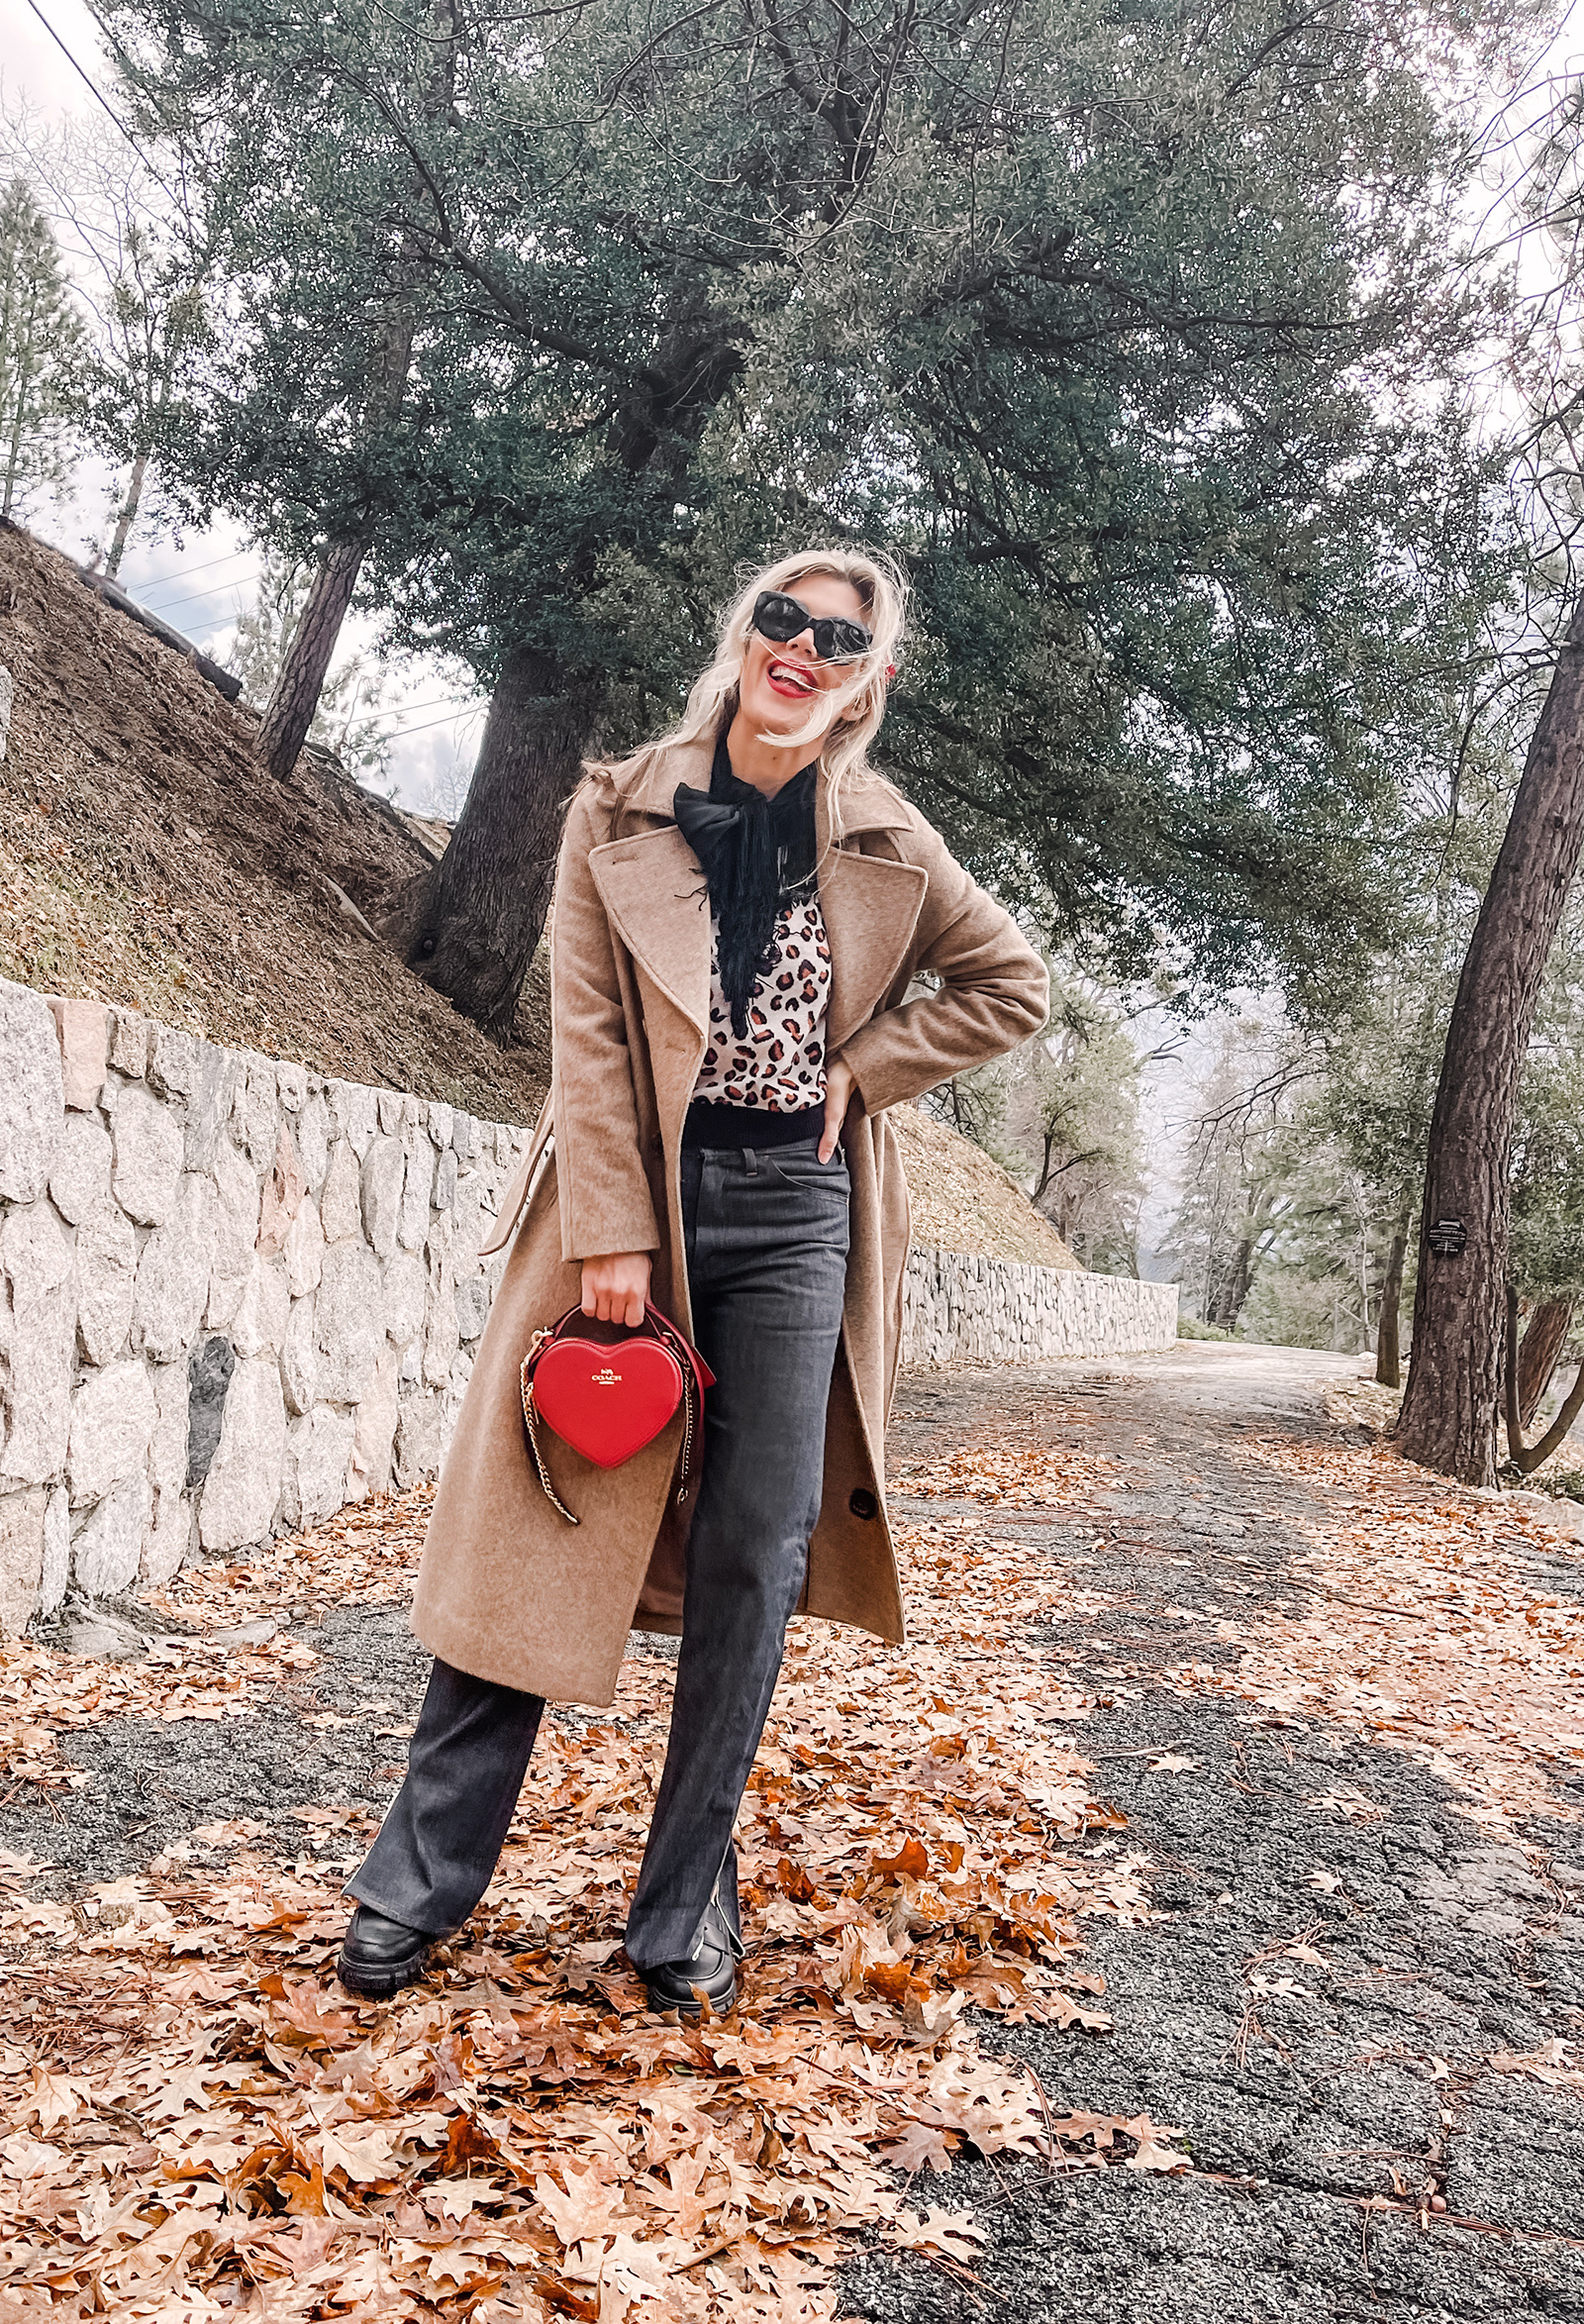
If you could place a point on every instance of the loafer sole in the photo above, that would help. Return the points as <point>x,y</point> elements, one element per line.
<point>721,2003</point>
<point>378,1980</point>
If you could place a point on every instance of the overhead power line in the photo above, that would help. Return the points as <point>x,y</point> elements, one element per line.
<point>93,88</point>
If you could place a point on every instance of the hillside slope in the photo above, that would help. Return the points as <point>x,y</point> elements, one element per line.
<point>145,861</point>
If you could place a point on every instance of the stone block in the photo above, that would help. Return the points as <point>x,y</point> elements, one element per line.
<point>173,1061</point>
<point>107,1278</point>
<point>374,1437</point>
<point>40,1323</point>
<point>355,1113</point>
<point>148,1151</point>
<point>291,1086</point>
<point>34,1108</point>
<point>236,1233</point>
<point>22,1523</point>
<point>113,1415</point>
<point>341,1208</point>
<point>103,1636</point>
<point>472,1212</point>
<point>440,1335</point>
<point>349,1322</point>
<point>259,1322</point>
<point>209,1375</point>
<point>243,1486</point>
<point>417,1427</point>
<point>313,1140</point>
<point>304,1251</point>
<point>299,1360</point>
<point>256,1111</point>
<point>220,1076</point>
<point>129,1043</point>
<point>412,1227</point>
<point>79,1175</point>
<point>169,1533</point>
<point>57,1551</point>
<point>472,1307</point>
<point>319,1451</point>
<point>389,1105</point>
<point>382,1176</point>
<point>442,1124</point>
<point>284,1188</point>
<point>167,1543</point>
<point>82,1029</point>
<point>464,1138</point>
<point>175,1272</point>
<point>107,1548</point>
<point>406,1297</point>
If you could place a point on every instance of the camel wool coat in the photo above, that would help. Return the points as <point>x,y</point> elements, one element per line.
<point>506,1589</point>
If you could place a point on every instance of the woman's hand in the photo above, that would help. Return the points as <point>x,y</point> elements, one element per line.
<point>616,1286</point>
<point>839,1088</point>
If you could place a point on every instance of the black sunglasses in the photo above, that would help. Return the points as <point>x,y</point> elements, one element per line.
<point>782,618</point>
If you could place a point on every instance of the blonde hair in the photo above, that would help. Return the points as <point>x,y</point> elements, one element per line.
<point>859,700</point>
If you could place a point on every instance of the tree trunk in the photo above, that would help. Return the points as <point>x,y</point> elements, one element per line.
<point>1449,1414</point>
<point>302,678</point>
<point>470,926</point>
<point>1527,1458</point>
<point>1388,1333</point>
<point>129,512</point>
<point>1234,1287</point>
<point>1540,1353</point>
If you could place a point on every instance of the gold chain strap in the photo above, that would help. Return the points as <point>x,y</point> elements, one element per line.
<point>550,1494</point>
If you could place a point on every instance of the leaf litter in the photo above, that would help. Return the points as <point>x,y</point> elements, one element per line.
<point>202,2122</point>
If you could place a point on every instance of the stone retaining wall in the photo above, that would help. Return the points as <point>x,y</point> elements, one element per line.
<point>958,1309</point>
<point>237,1294</point>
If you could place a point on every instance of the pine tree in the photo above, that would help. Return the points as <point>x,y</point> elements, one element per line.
<point>41,350</point>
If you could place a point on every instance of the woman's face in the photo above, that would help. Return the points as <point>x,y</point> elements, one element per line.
<point>782,685</point>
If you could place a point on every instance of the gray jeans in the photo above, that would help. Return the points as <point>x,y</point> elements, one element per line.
<point>766,1252</point>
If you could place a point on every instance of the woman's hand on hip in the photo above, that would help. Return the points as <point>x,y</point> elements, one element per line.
<point>839,1088</point>
<point>616,1286</point>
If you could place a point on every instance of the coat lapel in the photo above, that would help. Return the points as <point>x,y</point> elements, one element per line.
<point>870,905</point>
<point>653,891</point>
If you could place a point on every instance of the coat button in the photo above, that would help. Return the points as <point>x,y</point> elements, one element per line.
<point>862,1502</point>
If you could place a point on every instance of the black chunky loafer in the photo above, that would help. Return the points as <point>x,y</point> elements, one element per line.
<point>378,1957</point>
<point>711,1973</point>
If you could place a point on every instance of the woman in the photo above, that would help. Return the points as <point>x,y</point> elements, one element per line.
<point>741,911</point>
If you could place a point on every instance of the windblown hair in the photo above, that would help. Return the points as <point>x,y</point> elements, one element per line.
<point>859,699</point>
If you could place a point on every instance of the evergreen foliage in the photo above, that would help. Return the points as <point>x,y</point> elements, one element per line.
<point>1120,323</point>
<point>41,350</point>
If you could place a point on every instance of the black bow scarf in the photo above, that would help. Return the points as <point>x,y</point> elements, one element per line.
<point>754,852</point>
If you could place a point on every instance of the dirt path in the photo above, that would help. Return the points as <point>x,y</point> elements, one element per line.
<point>1334,1704</point>
<point>1430,1944</point>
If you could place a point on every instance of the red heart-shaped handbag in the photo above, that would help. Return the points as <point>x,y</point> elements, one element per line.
<point>610,1397</point>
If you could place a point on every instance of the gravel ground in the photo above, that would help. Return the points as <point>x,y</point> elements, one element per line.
<point>1440,1944</point>
<point>1440,1947</point>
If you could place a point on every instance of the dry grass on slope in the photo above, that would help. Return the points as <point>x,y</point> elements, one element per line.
<point>964,1201</point>
<point>145,860</point>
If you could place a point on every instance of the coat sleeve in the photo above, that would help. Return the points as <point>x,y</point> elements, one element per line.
<point>995,990</point>
<point>604,1194</point>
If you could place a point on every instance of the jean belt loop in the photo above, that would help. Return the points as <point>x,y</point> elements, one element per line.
<point>750,1161</point>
